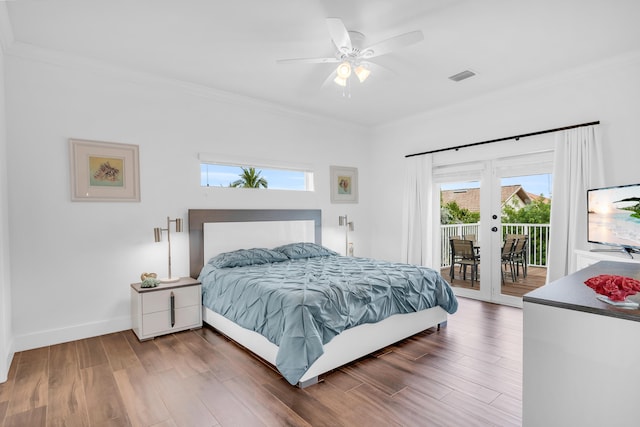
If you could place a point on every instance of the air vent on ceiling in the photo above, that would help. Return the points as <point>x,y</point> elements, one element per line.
<point>462,75</point>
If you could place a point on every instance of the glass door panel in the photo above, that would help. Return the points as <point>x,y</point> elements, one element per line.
<point>525,212</point>
<point>460,236</point>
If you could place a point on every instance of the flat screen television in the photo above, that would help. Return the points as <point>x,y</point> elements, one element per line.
<point>614,217</point>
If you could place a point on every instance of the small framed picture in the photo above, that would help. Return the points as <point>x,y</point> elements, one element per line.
<point>104,171</point>
<point>344,184</point>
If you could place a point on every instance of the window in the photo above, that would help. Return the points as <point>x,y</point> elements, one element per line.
<point>243,175</point>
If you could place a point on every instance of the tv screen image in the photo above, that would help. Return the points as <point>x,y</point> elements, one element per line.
<point>614,216</point>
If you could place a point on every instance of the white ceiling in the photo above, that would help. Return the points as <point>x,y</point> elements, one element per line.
<point>233,46</point>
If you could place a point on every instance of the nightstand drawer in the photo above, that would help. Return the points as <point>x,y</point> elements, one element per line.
<point>161,300</point>
<point>160,322</point>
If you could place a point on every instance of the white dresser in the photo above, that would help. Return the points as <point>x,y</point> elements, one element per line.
<point>580,355</point>
<point>167,308</point>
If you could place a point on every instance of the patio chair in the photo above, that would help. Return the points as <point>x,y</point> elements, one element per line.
<point>472,237</point>
<point>520,255</point>
<point>463,254</point>
<point>507,257</point>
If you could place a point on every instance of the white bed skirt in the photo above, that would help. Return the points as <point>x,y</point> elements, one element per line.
<point>348,346</point>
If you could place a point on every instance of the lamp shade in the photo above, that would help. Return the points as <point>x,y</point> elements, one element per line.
<point>340,81</point>
<point>344,70</point>
<point>157,234</point>
<point>179,225</point>
<point>362,71</point>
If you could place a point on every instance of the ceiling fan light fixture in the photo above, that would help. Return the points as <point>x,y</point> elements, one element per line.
<point>344,70</point>
<point>352,53</point>
<point>362,72</point>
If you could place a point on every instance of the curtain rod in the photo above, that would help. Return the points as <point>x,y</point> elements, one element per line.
<point>516,137</point>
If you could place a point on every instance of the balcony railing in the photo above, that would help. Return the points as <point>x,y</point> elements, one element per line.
<point>536,244</point>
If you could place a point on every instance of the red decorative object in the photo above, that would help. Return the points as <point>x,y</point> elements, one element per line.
<point>616,288</point>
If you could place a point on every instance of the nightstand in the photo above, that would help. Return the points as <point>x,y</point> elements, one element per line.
<point>167,308</point>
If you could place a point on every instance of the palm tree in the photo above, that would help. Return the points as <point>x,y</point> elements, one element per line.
<point>249,178</point>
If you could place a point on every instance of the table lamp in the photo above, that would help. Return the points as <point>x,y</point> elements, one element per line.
<point>157,234</point>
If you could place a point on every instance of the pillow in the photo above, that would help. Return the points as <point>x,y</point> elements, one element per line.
<point>244,257</point>
<point>304,250</point>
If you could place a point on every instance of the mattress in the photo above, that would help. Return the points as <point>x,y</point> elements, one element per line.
<point>301,304</point>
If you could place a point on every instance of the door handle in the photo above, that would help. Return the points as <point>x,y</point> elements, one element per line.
<point>494,229</point>
<point>172,299</point>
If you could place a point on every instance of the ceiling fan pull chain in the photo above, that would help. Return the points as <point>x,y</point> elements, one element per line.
<point>346,89</point>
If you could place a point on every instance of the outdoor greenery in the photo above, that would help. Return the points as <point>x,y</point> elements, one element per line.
<point>536,212</point>
<point>249,178</point>
<point>451,213</point>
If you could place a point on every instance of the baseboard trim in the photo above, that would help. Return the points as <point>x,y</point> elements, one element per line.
<point>4,372</point>
<point>71,333</point>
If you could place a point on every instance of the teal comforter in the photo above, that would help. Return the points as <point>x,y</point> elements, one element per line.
<point>301,304</point>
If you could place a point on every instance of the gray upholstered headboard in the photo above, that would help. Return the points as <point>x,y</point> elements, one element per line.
<point>199,217</point>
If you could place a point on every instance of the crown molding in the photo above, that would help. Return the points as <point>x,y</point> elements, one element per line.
<point>627,59</point>
<point>66,60</point>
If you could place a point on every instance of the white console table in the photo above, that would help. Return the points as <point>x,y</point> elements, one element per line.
<point>581,356</point>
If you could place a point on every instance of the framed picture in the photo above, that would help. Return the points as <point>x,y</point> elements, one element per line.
<point>104,171</point>
<point>344,185</point>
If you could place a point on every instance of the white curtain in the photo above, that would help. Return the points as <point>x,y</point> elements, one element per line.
<point>577,167</point>
<point>417,225</point>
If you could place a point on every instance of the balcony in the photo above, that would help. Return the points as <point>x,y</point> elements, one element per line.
<point>536,251</point>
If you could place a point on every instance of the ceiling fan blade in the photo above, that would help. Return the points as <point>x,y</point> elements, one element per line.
<point>339,34</point>
<point>393,43</point>
<point>307,61</point>
<point>379,71</point>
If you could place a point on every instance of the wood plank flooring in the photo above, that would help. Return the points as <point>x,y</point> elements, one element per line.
<point>536,277</point>
<point>467,374</point>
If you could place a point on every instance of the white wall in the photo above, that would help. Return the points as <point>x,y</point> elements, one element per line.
<point>6,336</point>
<point>608,91</point>
<point>72,262</point>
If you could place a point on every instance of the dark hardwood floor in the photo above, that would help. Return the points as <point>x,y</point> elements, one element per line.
<point>467,374</point>
<point>536,277</point>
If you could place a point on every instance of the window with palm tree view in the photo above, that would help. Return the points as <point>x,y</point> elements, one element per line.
<point>218,175</point>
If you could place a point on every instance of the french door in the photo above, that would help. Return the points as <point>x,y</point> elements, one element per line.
<point>473,198</point>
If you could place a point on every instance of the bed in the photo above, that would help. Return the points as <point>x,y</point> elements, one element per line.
<point>298,281</point>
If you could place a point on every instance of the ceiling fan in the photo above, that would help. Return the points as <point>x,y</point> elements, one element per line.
<point>352,56</point>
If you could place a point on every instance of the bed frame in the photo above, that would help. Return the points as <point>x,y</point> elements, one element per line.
<point>346,347</point>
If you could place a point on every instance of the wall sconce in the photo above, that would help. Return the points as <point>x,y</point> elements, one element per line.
<point>343,221</point>
<point>157,234</point>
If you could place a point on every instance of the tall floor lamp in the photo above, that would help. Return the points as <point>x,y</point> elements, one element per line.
<point>343,221</point>
<point>157,234</point>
